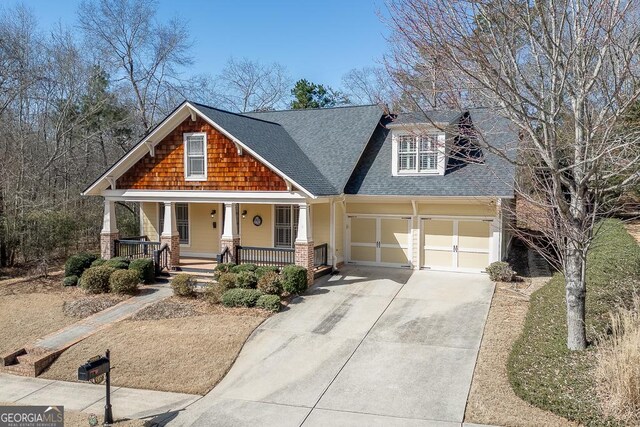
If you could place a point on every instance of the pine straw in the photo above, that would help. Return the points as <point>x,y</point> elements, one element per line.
<point>618,366</point>
<point>491,399</point>
<point>91,304</point>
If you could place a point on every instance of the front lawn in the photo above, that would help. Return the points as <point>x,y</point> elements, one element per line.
<point>34,308</point>
<point>180,345</point>
<point>541,369</point>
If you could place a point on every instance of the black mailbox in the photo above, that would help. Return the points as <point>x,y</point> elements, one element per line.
<point>93,368</point>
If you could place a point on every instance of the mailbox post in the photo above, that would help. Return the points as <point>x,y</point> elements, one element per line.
<point>96,366</point>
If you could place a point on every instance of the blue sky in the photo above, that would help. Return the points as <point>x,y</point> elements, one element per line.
<point>316,40</point>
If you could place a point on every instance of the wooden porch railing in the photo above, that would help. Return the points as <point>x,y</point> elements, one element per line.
<point>225,256</point>
<point>265,256</point>
<point>130,248</point>
<point>320,255</point>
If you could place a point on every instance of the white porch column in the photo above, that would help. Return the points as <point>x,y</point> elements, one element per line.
<point>304,255</point>
<point>332,234</point>
<point>109,233</point>
<point>230,237</point>
<point>170,234</point>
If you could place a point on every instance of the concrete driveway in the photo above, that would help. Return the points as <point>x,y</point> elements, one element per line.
<point>371,346</point>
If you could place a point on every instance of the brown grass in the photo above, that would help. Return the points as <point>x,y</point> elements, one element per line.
<point>187,355</point>
<point>81,419</point>
<point>32,309</point>
<point>491,399</point>
<point>618,368</point>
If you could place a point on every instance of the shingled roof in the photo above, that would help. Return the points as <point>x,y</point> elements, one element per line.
<point>493,177</point>
<point>272,142</point>
<point>333,138</point>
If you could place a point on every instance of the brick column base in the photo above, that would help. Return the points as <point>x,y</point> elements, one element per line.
<point>304,257</point>
<point>174,245</point>
<point>232,244</point>
<point>107,244</point>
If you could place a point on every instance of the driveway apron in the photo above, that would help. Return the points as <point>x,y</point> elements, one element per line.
<point>369,346</point>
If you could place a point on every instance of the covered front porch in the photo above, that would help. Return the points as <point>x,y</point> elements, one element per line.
<point>194,234</point>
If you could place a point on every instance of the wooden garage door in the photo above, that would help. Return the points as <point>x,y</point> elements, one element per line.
<point>456,244</point>
<point>380,241</point>
<point>473,244</point>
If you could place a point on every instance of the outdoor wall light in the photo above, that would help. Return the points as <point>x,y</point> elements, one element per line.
<point>244,214</point>
<point>213,213</point>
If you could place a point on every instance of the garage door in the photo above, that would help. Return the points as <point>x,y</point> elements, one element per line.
<point>379,241</point>
<point>456,244</point>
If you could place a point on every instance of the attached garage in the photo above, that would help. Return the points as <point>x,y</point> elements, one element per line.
<point>456,243</point>
<point>379,240</point>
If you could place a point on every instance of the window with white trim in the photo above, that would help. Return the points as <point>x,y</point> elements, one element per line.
<point>417,153</point>
<point>195,156</point>
<point>286,225</point>
<point>182,221</point>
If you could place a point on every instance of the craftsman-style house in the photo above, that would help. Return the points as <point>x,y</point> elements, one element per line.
<point>317,187</point>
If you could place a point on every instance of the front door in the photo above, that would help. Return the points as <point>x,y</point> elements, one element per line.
<point>380,241</point>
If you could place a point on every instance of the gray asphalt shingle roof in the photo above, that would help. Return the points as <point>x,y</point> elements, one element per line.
<point>493,177</point>
<point>333,138</point>
<point>272,142</point>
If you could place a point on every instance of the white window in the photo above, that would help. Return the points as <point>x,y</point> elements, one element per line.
<point>417,153</point>
<point>286,225</point>
<point>182,221</point>
<point>195,156</point>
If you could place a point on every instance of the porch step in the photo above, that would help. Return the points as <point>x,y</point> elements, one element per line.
<point>322,270</point>
<point>202,277</point>
<point>28,362</point>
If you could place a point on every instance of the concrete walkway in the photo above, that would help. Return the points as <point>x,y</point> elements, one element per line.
<point>369,347</point>
<point>88,326</point>
<point>126,402</point>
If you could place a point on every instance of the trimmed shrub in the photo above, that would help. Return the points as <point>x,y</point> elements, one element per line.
<point>213,291</point>
<point>241,297</point>
<point>294,279</point>
<point>270,283</point>
<point>124,281</point>
<point>500,271</point>
<point>222,268</point>
<point>261,271</point>
<point>119,263</point>
<point>243,267</point>
<point>95,280</point>
<point>70,281</point>
<point>269,302</point>
<point>145,268</point>
<point>77,264</point>
<point>98,262</point>
<point>246,279</point>
<point>228,280</point>
<point>183,285</point>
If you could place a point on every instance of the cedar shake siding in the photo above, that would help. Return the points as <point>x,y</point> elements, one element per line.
<point>226,169</point>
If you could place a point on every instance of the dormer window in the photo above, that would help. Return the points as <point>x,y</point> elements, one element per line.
<point>418,153</point>
<point>195,156</point>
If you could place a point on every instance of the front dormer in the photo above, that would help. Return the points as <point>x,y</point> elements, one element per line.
<point>418,150</point>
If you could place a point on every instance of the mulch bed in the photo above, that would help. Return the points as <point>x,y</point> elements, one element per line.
<point>86,306</point>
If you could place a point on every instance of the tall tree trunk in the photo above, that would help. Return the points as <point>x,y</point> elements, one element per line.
<point>576,290</point>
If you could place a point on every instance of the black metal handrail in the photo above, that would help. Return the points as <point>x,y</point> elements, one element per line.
<point>132,249</point>
<point>161,258</point>
<point>321,255</point>
<point>142,238</point>
<point>277,257</point>
<point>224,256</point>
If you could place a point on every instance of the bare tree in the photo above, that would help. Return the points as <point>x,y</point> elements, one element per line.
<point>247,85</point>
<point>369,85</point>
<point>565,72</point>
<point>150,57</point>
